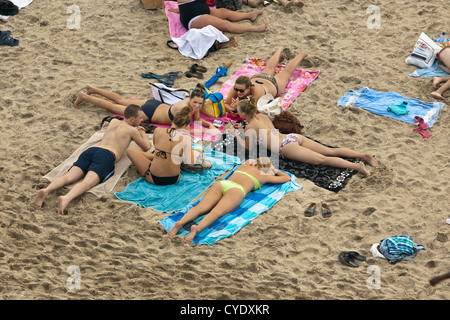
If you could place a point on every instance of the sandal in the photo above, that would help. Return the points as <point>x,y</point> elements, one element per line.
<point>196,68</point>
<point>347,259</point>
<point>191,74</point>
<point>311,210</point>
<point>8,41</point>
<point>326,212</point>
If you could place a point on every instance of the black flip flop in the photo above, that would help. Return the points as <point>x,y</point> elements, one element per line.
<point>196,68</point>
<point>356,255</point>
<point>191,74</point>
<point>347,259</point>
<point>8,41</point>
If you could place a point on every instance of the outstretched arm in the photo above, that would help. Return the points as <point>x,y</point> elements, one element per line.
<point>139,136</point>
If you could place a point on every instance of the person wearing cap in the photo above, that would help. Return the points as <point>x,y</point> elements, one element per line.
<point>265,82</point>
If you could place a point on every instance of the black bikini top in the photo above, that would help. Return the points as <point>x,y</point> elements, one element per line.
<point>163,154</point>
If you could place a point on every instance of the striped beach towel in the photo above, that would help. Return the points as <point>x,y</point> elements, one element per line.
<point>399,248</point>
<point>254,204</point>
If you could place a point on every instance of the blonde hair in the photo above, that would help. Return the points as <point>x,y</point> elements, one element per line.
<point>248,106</point>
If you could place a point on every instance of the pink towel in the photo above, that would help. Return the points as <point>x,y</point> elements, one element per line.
<point>176,29</point>
<point>206,136</point>
<point>298,82</point>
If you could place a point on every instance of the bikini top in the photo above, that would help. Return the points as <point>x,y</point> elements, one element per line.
<point>163,154</point>
<point>255,181</point>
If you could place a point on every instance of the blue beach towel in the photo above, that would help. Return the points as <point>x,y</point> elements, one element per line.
<point>433,71</point>
<point>253,205</point>
<point>379,102</point>
<point>173,198</point>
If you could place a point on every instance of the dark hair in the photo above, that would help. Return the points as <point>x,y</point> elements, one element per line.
<point>248,106</point>
<point>182,118</point>
<point>199,91</point>
<point>244,80</point>
<point>131,111</point>
<point>286,122</point>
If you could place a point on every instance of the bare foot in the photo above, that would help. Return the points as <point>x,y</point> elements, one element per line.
<point>362,169</point>
<point>80,98</point>
<point>89,89</point>
<point>370,159</point>
<point>286,4</point>
<point>304,53</point>
<point>437,95</point>
<point>194,232</point>
<point>174,230</point>
<point>255,14</point>
<point>298,3</point>
<point>39,200</point>
<point>260,28</point>
<point>63,202</point>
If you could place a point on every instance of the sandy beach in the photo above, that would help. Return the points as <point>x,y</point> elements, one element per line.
<point>124,253</point>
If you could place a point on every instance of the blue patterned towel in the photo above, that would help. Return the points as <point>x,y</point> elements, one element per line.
<point>433,71</point>
<point>378,102</point>
<point>255,203</point>
<point>173,198</point>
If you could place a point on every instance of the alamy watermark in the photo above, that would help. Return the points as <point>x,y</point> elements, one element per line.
<point>74,280</point>
<point>374,20</point>
<point>374,281</point>
<point>74,20</point>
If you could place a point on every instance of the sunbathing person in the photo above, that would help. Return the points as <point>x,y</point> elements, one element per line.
<point>172,145</point>
<point>294,146</point>
<point>196,14</point>
<point>154,110</point>
<point>225,196</point>
<point>96,164</point>
<point>443,58</point>
<point>265,82</point>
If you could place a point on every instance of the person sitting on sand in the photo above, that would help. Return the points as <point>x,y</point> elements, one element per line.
<point>294,146</point>
<point>96,164</point>
<point>171,145</point>
<point>154,110</point>
<point>196,14</point>
<point>225,196</point>
<point>443,58</point>
<point>265,82</point>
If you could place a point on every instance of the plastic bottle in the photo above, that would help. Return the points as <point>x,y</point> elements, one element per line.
<point>442,38</point>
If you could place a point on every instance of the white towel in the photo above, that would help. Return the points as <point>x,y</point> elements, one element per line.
<point>196,42</point>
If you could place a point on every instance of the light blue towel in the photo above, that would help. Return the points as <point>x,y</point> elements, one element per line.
<point>378,102</point>
<point>255,203</point>
<point>433,71</point>
<point>172,198</point>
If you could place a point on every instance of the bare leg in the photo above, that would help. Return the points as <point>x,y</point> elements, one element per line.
<point>140,159</point>
<point>286,3</point>
<point>230,201</point>
<point>225,25</point>
<point>235,16</point>
<point>252,3</point>
<point>437,80</point>
<point>439,92</point>
<point>90,180</point>
<point>273,61</point>
<point>70,177</point>
<point>113,96</point>
<point>284,75</point>
<point>444,56</point>
<point>211,198</point>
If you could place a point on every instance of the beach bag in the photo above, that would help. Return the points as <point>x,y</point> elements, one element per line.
<point>168,95</point>
<point>233,5</point>
<point>201,162</point>
<point>269,106</point>
<point>287,123</point>
<point>424,52</point>
<point>7,8</point>
<point>213,105</point>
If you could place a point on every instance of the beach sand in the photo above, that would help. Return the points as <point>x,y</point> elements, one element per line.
<point>121,250</point>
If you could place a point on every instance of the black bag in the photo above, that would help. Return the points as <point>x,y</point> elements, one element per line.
<point>229,4</point>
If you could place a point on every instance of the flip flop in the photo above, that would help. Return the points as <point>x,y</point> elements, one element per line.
<point>8,41</point>
<point>326,212</point>
<point>5,33</point>
<point>311,210</point>
<point>356,255</point>
<point>191,74</point>
<point>347,259</point>
<point>196,68</point>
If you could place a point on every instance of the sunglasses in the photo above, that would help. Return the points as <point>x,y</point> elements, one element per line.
<point>239,90</point>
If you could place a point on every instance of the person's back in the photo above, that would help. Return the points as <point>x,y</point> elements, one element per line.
<point>117,137</point>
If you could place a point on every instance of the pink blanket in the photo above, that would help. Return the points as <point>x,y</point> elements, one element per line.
<point>298,82</point>
<point>205,136</point>
<point>176,29</point>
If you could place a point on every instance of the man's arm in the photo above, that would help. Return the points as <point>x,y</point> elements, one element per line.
<point>139,136</point>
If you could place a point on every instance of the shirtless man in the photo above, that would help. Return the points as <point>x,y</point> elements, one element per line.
<point>266,82</point>
<point>443,58</point>
<point>96,164</point>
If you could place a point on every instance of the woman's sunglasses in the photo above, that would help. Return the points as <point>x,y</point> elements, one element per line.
<point>239,90</point>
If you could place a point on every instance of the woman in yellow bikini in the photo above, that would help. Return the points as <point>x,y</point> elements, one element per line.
<point>225,196</point>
